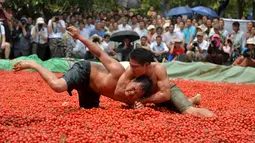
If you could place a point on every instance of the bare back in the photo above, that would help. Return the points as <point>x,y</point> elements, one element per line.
<point>104,82</point>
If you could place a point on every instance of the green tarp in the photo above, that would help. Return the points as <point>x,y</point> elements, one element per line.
<point>197,71</point>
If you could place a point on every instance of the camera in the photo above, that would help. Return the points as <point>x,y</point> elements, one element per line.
<point>40,26</point>
<point>247,53</point>
<point>56,18</point>
<point>214,43</point>
<point>23,21</point>
<point>195,44</point>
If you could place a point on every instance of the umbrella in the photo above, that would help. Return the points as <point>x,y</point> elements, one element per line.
<point>119,36</point>
<point>129,3</point>
<point>181,10</point>
<point>205,11</point>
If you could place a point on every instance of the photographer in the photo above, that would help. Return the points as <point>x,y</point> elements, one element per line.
<point>248,58</point>
<point>6,15</point>
<point>21,37</point>
<point>215,52</point>
<point>56,29</point>
<point>5,46</point>
<point>39,35</point>
<point>197,50</point>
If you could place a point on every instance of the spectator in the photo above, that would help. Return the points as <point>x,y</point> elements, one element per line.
<point>177,25</point>
<point>160,49</point>
<point>222,29</point>
<point>134,23</point>
<point>159,32</point>
<point>84,31</point>
<point>124,49</point>
<point>249,30</point>
<point>21,37</point>
<point>124,25</point>
<point>98,30</point>
<point>151,30</point>
<point>143,43</point>
<point>216,31</point>
<point>227,50</point>
<point>166,27</point>
<point>248,58</point>
<point>151,10</point>
<point>237,36</point>
<point>105,43</point>
<point>141,29</point>
<point>215,54</point>
<point>176,50</point>
<point>56,30</point>
<point>170,36</point>
<point>203,28</point>
<point>197,50</point>
<point>209,26</point>
<point>5,16</point>
<point>40,35</point>
<point>90,26</point>
<point>180,33</point>
<point>5,46</point>
<point>204,20</point>
<point>189,33</point>
<point>115,26</point>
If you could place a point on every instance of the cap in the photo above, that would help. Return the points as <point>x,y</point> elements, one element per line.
<point>151,27</point>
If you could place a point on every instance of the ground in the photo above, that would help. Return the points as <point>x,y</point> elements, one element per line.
<point>31,112</point>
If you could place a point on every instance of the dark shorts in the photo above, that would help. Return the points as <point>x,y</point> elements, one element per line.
<point>78,78</point>
<point>178,102</point>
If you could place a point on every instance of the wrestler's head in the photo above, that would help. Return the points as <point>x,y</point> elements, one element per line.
<point>139,60</point>
<point>139,87</point>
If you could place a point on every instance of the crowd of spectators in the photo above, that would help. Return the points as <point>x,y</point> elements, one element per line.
<point>178,38</point>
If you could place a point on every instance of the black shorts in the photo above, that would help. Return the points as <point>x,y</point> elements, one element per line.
<point>78,77</point>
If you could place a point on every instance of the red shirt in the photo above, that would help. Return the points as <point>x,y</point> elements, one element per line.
<point>178,51</point>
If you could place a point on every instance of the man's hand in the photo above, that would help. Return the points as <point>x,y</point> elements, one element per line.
<point>22,65</point>
<point>74,32</point>
<point>138,105</point>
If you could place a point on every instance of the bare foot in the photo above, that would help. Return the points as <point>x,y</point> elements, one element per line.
<point>196,100</point>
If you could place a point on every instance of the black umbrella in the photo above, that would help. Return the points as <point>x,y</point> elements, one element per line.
<point>129,3</point>
<point>120,36</point>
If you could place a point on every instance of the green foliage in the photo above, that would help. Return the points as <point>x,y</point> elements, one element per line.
<point>236,8</point>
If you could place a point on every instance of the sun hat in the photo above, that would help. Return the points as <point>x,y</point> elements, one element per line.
<point>40,20</point>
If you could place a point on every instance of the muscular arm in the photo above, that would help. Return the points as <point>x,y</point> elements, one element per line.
<point>163,84</point>
<point>123,81</point>
<point>114,67</point>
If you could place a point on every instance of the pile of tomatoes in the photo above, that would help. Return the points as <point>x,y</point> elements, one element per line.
<point>31,112</point>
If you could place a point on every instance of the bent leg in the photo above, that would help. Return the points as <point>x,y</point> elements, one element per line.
<point>7,50</point>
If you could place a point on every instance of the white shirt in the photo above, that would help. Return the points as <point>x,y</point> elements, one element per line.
<point>140,32</point>
<point>180,35</point>
<point>204,45</point>
<point>56,30</point>
<point>39,39</point>
<point>162,47</point>
<point>169,37</point>
<point>85,32</point>
<point>2,32</point>
<point>126,27</point>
